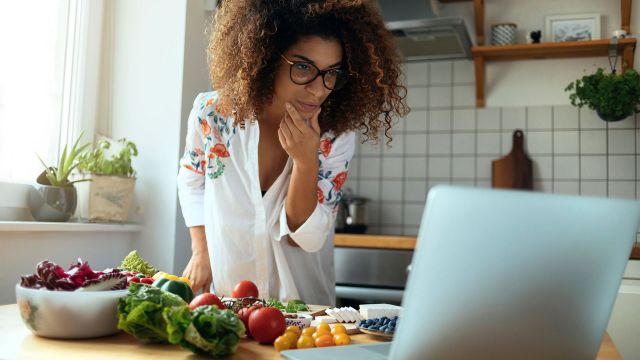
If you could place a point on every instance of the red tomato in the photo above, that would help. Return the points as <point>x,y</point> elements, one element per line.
<point>245,288</point>
<point>147,281</point>
<point>266,324</point>
<point>206,299</point>
<point>244,314</point>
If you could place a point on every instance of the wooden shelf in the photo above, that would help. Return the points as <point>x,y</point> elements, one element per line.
<point>551,50</point>
<point>569,49</point>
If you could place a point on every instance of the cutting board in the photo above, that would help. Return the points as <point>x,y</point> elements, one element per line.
<point>514,171</point>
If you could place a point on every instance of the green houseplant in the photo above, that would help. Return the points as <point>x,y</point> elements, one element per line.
<point>53,197</point>
<point>112,180</point>
<point>613,96</point>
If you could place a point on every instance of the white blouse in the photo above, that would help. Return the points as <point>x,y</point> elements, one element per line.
<point>219,187</point>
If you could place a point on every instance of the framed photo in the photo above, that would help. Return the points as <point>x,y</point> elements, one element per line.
<point>578,27</point>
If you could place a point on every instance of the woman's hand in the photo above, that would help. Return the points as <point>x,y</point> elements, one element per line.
<point>198,270</point>
<point>299,140</point>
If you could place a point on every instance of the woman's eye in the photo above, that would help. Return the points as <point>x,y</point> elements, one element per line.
<point>302,66</point>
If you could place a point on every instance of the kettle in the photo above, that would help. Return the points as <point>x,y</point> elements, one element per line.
<point>351,217</point>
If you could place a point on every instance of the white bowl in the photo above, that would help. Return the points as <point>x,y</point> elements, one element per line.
<point>302,321</point>
<point>69,314</point>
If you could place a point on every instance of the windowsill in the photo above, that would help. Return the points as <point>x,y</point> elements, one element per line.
<point>37,226</point>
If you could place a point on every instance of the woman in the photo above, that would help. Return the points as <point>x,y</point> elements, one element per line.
<point>268,152</point>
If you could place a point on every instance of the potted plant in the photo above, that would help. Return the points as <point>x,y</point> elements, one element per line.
<point>112,180</point>
<point>53,197</point>
<point>613,96</point>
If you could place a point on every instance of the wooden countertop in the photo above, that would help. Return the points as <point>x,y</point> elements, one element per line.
<point>17,342</point>
<point>404,242</point>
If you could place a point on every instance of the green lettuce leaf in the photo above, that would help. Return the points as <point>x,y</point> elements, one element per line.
<point>140,313</point>
<point>213,332</point>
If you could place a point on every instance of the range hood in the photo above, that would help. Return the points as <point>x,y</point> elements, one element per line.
<point>422,34</point>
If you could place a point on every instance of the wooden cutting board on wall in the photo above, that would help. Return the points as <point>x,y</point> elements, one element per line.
<point>514,171</point>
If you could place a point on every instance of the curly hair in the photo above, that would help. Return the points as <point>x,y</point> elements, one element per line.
<point>248,36</point>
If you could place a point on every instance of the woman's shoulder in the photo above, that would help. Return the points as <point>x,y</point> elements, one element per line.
<point>330,143</point>
<point>207,101</point>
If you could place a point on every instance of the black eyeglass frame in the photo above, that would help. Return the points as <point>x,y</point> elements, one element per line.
<point>319,73</point>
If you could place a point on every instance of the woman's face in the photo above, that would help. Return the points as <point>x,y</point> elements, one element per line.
<point>325,54</point>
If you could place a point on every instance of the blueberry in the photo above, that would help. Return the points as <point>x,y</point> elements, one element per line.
<point>374,327</point>
<point>370,322</point>
<point>365,326</point>
<point>384,318</point>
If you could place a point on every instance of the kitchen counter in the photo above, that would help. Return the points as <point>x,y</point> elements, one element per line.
<point>17,342</point>
<point>404,242</point>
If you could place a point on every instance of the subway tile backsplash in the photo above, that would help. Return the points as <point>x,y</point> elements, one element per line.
<point>447,140</point>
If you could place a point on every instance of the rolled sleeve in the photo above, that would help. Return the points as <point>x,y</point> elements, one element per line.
<point>312,234</point>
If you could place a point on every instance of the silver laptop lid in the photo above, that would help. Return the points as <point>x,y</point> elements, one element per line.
<point>514,275</point>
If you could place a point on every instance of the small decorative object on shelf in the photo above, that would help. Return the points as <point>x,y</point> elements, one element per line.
<point>503,34</point>
<point>619,34</point>
<point>613,96</point>
<point>535,37</point>
<point>580,27</point>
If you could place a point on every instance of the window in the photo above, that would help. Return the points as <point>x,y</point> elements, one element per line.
<point>42,72</point>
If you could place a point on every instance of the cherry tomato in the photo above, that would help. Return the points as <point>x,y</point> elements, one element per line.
<point>245,288</point>
<point>134,279</point>
<point>293,338</point>
<point>305,342</point>
<point>338,329</point>
<point>281,343</point>
<point>324,340</point>
<point>206,299</point>
<point>308,331</point>
<point>244,314</point>
<point>266,324</point>
<point>147,281</point>
<point>324,327</point>
<point>294,329</point>
<point>341,339</point>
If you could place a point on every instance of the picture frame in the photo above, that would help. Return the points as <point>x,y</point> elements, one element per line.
<point>576,27</point>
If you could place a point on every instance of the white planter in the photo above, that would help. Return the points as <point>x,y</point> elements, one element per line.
<point>106,198</point>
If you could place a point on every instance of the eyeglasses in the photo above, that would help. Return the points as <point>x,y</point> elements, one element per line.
<point>302,73</point>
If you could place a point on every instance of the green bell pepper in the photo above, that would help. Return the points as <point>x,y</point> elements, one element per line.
<point>177,287</point>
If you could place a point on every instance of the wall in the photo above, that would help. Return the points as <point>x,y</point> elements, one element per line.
<point>446,139</point>
<point>145,58</point>
<point>195,80</point>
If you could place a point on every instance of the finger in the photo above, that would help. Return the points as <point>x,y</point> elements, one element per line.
<point>296,118</point>
<point>286,129</point>
<point>315,125</point>
<point>281,137</point>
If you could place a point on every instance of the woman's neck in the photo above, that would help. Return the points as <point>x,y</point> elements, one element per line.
<point>272,115</point>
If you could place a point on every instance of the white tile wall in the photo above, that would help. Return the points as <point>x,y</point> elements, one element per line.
<point>446,140</point>
<point>440,97</point>
<point>440,120</point>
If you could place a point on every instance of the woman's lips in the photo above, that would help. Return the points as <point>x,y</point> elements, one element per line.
<point>308,107</point>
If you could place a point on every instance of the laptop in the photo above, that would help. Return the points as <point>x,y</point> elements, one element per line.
<point>502,274</point>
